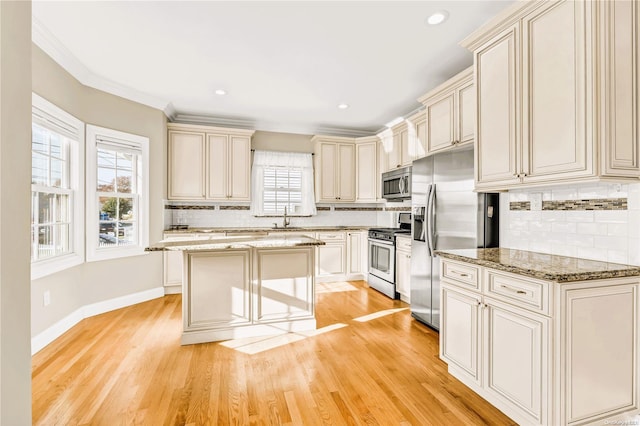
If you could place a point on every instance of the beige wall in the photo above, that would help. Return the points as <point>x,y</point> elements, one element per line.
<point>288,142</point>
<point>99,281</point>
<point>15,170</point>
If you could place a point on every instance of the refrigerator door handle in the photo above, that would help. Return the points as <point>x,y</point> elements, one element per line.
<point>431,219</point>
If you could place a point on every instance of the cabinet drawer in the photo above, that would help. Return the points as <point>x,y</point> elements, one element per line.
<point>529,294</point>
<point>331,236</point>
<point>403,243</point>
<point>464,274</point>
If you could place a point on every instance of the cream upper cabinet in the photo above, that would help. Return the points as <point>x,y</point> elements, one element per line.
<point>557,88</point>
<point>450,113</point>
<point>186,165</point>
<point>402,150</point>
<point>209,163</point>
<point>367,177</point>
<point>417,135</point>
<point>229,162</point>
<point>335,165</point>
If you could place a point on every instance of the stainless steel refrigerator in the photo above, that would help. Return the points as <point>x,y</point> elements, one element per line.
<point>447,214</point>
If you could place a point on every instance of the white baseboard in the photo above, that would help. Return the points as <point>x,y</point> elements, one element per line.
<point>59,328</point>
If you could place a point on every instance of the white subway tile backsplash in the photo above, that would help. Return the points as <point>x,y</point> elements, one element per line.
<point>606,235</point>
<point>593,228</point>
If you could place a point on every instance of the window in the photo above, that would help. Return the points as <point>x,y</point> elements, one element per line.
<point>282,189</point>
<point>117,193</point>
<point>56,189</point>
<point>282,179</point>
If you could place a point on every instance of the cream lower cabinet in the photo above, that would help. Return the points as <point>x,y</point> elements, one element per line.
<point>544,353</point>
<point>557,94</point>
<point>403,267</point>
<point>240,293</point>
<point>343,257</point>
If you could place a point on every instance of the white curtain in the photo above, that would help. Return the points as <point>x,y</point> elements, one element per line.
<point>266,159</point>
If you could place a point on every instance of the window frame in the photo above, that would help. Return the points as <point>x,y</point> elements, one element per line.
<point>128,142</point>
<point>51,117</point>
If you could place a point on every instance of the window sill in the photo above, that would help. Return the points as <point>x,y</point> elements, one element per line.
<point>116,253</point>
<point>43,268</point>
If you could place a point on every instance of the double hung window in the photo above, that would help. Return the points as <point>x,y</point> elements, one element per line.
<point>56,189</point>
<point>117,196</point>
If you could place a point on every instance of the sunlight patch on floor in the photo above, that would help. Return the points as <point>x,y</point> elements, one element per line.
<point>254,345</point>
<point>335,287</point>
<point>379,314</point>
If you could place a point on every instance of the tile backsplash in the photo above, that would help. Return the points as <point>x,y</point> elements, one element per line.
<point>592,221</point>
<point>219,215</point>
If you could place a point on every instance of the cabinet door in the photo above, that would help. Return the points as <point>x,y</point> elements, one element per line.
<point>332,259</point>
<point>460,331</point>
<point>403,274</point>
<point>394,156</point>
<point>516,361</point>
<point>407,144</point>
<point>186,165</point>
<point>327,172</point>
<point>239,168</point>
<point>600,349</point>
<point>367,172</point>
<point>440,115</point>
<point>284,284</point>
<point>217,167</point>
<point>172,268</point>
<point>421,139</point>
<point>620,86</point>
<point>217,289</point>
<point>466,109</point>
<point>557,142</point>
<point>354,245</point>
<point>497,151</point>
<point>346,172</point>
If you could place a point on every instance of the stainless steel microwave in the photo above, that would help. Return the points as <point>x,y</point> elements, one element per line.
<point>396,184</point>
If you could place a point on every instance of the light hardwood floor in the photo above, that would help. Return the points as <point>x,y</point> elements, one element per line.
<point>368,363</point>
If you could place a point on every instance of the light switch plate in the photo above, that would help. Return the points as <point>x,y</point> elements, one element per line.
<point>535,199</point>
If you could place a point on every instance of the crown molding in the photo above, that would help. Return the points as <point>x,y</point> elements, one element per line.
<point>45,40</point>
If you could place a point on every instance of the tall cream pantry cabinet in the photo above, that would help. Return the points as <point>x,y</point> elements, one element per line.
<point>557,94</point>
<point>208,163</point>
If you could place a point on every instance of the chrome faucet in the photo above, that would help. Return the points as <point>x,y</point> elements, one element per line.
<point>286,221</point>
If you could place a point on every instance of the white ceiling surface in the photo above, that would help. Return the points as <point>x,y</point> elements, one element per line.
<point>285,65</point>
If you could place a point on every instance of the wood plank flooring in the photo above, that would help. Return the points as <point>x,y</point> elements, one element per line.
<point>369,363</point>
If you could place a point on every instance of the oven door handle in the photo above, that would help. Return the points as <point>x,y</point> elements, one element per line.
<point>380,242</point>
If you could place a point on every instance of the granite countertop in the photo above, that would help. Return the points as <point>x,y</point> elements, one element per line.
<point>259,230</point>
<point>549,267</point>
<point>236,243</point>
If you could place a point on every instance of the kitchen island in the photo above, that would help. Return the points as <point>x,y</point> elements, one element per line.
<point>238,287</point>
<point>547,339</point>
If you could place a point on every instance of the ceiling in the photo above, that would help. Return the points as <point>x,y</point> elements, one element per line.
<point>284,65</point>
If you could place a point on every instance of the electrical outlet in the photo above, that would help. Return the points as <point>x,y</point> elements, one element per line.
<point>536,201</point>
<point>46,298</point>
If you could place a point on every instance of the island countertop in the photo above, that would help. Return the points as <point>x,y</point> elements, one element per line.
<point>274,241</point>
<point>549,267</point>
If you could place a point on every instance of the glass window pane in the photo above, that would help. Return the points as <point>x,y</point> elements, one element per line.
<point>39,139</point>
<point>62,239</point>
<point>106,158</point>
<point>57,178</point>
<point>45,242</point>
<point>34,207</point>
<point>39,169</point>
<point>127,234</point>
<point>56,143</point>
<point>62,208</point>
<point>106,180</point>
<point>124,181</point>
<point>125,161</point>
<point>45,207</point>
<point>127,209</point>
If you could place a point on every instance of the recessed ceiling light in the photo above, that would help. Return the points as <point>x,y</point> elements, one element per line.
<point>343,106</point>
<point>437,18</point>
<point>221,92</point>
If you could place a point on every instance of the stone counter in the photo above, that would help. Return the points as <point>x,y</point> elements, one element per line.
<point>230,231</point>
<point>549,267</point>
<point>223,243</point>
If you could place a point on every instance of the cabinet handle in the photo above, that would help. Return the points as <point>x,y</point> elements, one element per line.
<point>513,290</point>
<point>460,274</point>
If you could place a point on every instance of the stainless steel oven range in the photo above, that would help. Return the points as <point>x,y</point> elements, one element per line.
<point>382,256</point>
